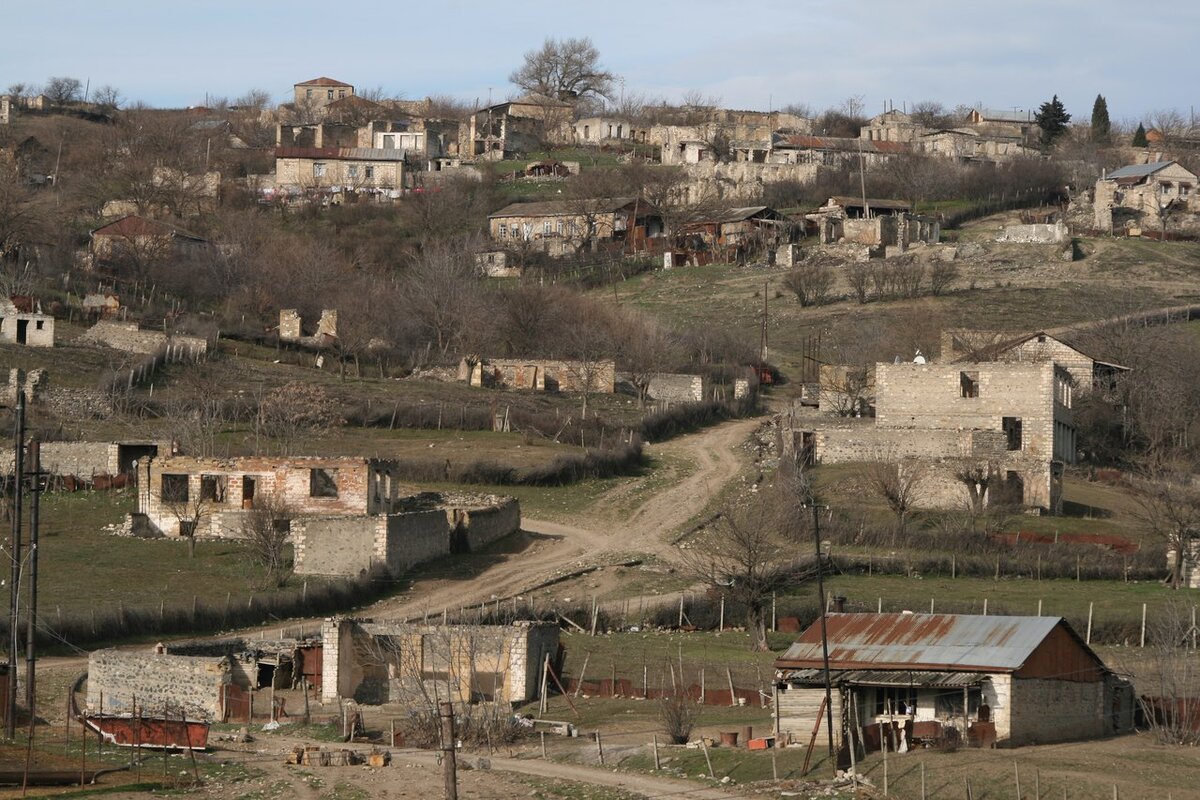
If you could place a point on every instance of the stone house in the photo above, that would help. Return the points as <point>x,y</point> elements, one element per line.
<point>522,125</point>
<point>832,151</point>
<point>22,322</point>
<point>1086,370</point>
<point>565,227</point>
<point>1144,195</point>
<point>142,240</point>
<point>598,130</point>
<point>892,126</point>
<point>320,92</point>
<point>1014,123</point>
<point>7,109</point>
<point>760,226</point>
<point>340,169</point>
<point>971,433</point>
<point>377,662</point>
<point>192,685</point>
<point>981,681</point>
<point>182,495</point>
<point>970,145</point>
<point>873,222</point>
<point>428,144</point>
<point>540,375</point>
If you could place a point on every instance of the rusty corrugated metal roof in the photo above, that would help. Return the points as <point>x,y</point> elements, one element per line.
<point>877,677</point>
<point>921,641</point>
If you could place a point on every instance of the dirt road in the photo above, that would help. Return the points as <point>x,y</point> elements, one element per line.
<point>636,518</point>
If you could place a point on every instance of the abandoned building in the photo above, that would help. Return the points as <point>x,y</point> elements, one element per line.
<point>540,375</point>
<point>873,222</point>
<point>141,240</point>
<point>292,329</point>
<point>565,227</point>
<point>130,337</point>
<point>731,235</point>
<point>335,170</point>
<point>314,95</point>
<point>969,434</point>
<point>22,322</point>
<point>210,497</point>
<point>907,680</point>
<point>1144,196</point>
<point>377,662</point>
<point>101,305</point>
<point>516,126</point>
<point>1086,370</point>
<point>418,528</point>
<point>602,130</point>
<point>90,460</point>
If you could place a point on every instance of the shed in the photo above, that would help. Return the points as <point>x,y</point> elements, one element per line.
<point>926,678</point>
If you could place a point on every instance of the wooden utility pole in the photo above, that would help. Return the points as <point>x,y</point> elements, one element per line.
<point>14,638</point>
<point>35,491</point>
<point>449,768</point>
<point>824,632</point>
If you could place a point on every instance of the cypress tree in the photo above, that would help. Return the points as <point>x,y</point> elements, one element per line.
<point>1052,118</point>
<point>1101,126</point>
<point>1139,137</point>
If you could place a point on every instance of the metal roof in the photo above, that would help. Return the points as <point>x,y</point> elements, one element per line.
<point>555,208</point>
<point>921,641</point>
<point>886,677</point>
<point>323,81</point>
<point>1138,170</point>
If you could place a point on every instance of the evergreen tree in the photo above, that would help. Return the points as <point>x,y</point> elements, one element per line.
<point>1100,122</point>
<point>1139,137</point>
<point>1052,118</point>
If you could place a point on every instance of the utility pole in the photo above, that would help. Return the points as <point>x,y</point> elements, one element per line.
<point>10,713</point>
<point>762,347</point>
<point>35,493</point>
<point>824,633</point>
<point>449,768</point>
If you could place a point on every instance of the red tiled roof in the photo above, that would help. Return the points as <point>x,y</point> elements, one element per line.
<point>323,82</point>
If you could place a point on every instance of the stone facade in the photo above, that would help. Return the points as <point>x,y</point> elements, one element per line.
<point>380,662</point>
<point>339,168</point>
<point>216,493</point>
<point>34,329</point>
<point>1136,196</point>
<point>188,684</point>
<point>1009,423</point>
<point>128,336</point>
<point>540,375</point>
<point>291,328</point>
<point>89,459</point>
<point>564,227</point>
<point>426,527</point>
<point>1034,233</point>
<point>1085,371</point>
<point>676,388</point>
<point>320,92</point>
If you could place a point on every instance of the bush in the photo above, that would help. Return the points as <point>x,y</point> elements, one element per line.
<point>941,275</point>
<point>679,716</point>
<point>811,283</point>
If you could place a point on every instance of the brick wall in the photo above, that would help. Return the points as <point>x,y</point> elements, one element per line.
<point>193,684</point>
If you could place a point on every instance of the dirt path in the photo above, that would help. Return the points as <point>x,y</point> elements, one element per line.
<point>619,524</point>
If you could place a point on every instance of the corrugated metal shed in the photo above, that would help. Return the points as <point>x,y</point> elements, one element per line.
<point>937,642</point>
<point>924,678</point>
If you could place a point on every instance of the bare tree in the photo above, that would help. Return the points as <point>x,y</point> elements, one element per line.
<point>564,69</point>
<point>750,552</point>
<point>62,90</point>
<point>294,409</point>
<point>811,282</point>
<point>1169,504</point>
<point>1170,693</point>
<point>898,483</point>
<point>438,293</point>
<point>108,97</point>
<point>266,530</point>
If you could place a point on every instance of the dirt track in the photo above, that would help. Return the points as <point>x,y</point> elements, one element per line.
<point>608,529</point>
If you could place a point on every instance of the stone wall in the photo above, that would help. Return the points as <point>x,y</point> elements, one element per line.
<point>379,662</point>
<point>676,388</point>
<point>77,404</point>
<point>128,337</point>
<point>739,180</point>
<point>1034,234</point>
<point>1056,711</point>
<point>536,374</point>
<point>344,546</point>
<point>484,524</point>
<point>191,684</point>
<point>34,330</point>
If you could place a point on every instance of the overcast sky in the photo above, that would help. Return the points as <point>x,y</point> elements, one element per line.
<point>758,55</point>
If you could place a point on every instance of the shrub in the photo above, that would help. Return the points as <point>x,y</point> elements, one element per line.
<point>942,274</point>
<point>679,716</point>
<point>811,283</point>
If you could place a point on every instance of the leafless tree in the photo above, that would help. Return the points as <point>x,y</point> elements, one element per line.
<point>751,551</point>
<point>898,482</point>
<point>1170,693</point>
<point>679,715</point>
<point>812,282</point>
<point>589,344</point>
<point>62,90</point>
<point>108,97</point>
<point>1169,505</point>
<point>18,91</point>
<point>977,478</point>
<point>266,530</point>
<point>564,69</point>
<point>645,347</point>
<point>438,293</point>
<point>294,409</point>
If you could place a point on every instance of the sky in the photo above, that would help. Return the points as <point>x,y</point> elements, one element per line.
<point>762,55</point>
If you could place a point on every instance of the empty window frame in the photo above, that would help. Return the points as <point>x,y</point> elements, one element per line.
<point>895,700</point>
<point>322,482</point>
<point>318,170</point>
<point>212,488</point>
<point>1012,432</point>
<point>352,170</point>
<point>968,384</point>
<point>174,488</point>
<point>370,172</point>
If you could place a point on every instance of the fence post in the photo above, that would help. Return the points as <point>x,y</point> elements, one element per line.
<point>1088,638</point>
<point>657,766</point>
<point>1143,640</point>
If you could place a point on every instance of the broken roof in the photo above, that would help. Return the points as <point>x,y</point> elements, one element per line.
<point>133,225</point>
<point>355,153</point>
<point>737,214</point>
<point>1002,115</point>
<point>938,642</point>
<point>995,349</point>
<point>555,208</point>
<point>845,201</point>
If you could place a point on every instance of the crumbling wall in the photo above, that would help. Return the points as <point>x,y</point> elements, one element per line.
<point>485,523</point>
<point>191,684</point>
<point>343,546</point>
<point>535,374</point>
<point>289,324</point>
<point>676,388</point>
<point>1034,234</point>
<point>128,337</point>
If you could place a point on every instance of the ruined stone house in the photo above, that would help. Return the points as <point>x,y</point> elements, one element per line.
<point>132,338</point>
<point>318,93</point>
<point>141,240</point>
<point>1086,370</point>
<point>156,683</point>
<point>564,227</point>
<point>873,222</point>
<point>515,126</point>
<point>982,681</point>
<point>22,322</point>
<point>292,329</point>
<point>732,234</point>
<point>540,375</point>
<point>971,433</point>
<point>377,662</point>
<point>600,130</point>
<point>1145,196</point>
